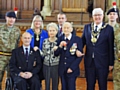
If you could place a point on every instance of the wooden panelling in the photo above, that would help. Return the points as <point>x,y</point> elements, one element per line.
<point>4,4</point>
<point>13,4</point>
<point>37,4</point>
<point>74,5</point>
<point>99,4</point>
<point>28,6</point>
<point>22,5</point>
<point>25,4</point>
<point>8,4</point>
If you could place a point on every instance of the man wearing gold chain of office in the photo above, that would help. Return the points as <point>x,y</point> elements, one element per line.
<point>99,57</point>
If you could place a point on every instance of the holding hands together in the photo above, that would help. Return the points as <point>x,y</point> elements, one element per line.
<point>26,75</point>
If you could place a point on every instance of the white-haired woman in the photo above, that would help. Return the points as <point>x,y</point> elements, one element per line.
<point>38,36</point>
<point>50,63</point>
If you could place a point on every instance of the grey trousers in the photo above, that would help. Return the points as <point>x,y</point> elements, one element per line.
<point>51,72</point>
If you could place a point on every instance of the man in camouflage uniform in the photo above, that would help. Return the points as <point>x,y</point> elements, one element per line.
<point>9,39</point>
<point>112,17</point>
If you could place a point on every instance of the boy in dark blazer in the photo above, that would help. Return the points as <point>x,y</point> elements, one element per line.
<point>69,62</point>
<point>25,64</point>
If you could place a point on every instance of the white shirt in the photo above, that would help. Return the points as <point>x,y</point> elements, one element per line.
<point>98,26</point>
<point>25,49</point>
<point>69,37</point>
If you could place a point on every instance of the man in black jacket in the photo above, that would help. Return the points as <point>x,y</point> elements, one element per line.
<point>25,64</point>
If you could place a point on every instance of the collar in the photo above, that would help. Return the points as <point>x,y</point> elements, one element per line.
<point>59,26</point>
<point>26,47</point>
<point>116,25</point>
<point>99,25</point>
<point>69,37</point>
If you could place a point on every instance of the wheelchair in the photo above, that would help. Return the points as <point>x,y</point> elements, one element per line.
<point>9,83</point>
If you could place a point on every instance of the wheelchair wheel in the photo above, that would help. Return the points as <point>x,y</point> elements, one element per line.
<point>9,84</point>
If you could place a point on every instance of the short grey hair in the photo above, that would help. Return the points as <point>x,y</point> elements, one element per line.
<point>97,11</point>
<point>39,18</point>
<point>52,25</point>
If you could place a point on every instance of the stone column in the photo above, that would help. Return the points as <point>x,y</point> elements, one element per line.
<point>46,9</point>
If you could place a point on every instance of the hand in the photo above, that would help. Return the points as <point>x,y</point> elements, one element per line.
<point>79,54</point>
<point>110,68</point>
<point>28,75</point>
<point>36,48</point>
<point>63,43</point>
<point>22,74</point>
<point>69,70</point>
<point>55,48</point>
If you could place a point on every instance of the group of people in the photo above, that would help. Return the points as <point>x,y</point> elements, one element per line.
<point>57,52</point>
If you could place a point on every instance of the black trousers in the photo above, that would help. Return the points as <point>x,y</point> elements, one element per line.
<point>22,84</point>
<point>93,73</point>
<point>68,83</point>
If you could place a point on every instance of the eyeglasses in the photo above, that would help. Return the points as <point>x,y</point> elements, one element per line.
<point>97,15</point>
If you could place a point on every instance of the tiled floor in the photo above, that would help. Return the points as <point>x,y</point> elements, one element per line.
<point>81,85</point>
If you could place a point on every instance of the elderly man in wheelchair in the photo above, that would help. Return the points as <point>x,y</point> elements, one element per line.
<point>25,65</point>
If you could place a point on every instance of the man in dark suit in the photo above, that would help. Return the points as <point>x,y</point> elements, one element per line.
<point>69,62</point>
<point>25,64</point>
<point>99,57</point>
<point>61,18</point>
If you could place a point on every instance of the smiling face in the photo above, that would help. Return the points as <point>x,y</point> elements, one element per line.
<point>52,32</point>
<point>97,18</point>
<point>26,39</point>
<point>97,15</point>
<point>10,21</point>
<point>67,28</point>
<point>37,23</point>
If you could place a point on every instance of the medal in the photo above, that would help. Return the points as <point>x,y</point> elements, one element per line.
<point>65,46</point>
<point>93,40</point>
<point>73,48</point>
<point>37,38</point>
<point>95,34</point>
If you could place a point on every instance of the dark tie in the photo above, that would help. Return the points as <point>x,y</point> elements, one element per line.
<point>67,40</point>
<point>60,30</point>
<point>95,31</point>
<point>26,54</point>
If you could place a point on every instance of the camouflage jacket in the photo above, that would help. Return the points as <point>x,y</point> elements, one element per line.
<point>9,38</point>
<point>117,41</point>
